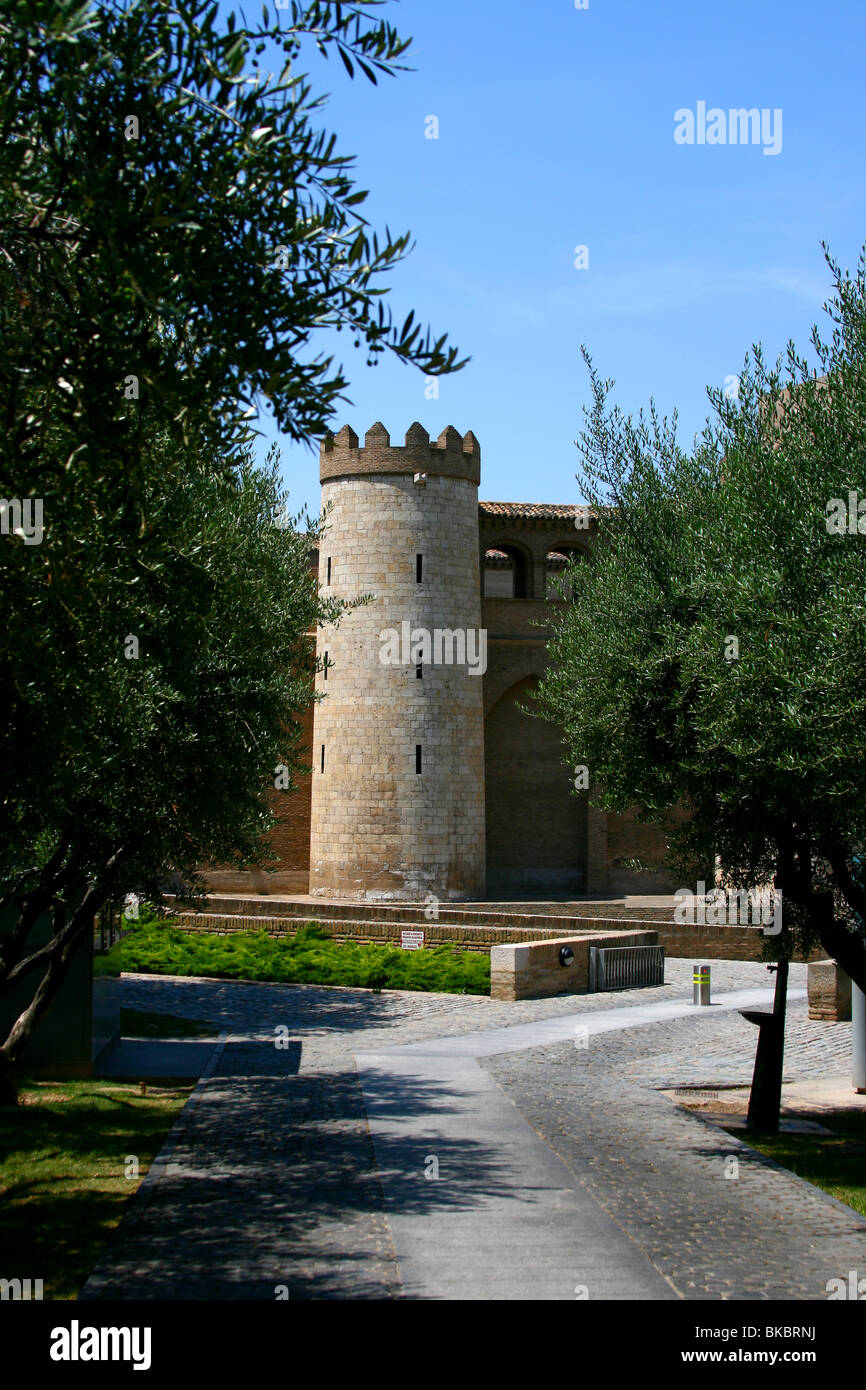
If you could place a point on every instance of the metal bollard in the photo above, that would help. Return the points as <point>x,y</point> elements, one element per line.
<point>701,985</point>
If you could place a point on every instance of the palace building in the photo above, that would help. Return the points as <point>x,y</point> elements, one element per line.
<point>428,775</point>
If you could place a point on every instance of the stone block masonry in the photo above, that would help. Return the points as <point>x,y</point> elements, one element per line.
<point>534,970</point>
<point>398,749</point>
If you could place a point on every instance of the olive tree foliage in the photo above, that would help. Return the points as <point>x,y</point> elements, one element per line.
<point>174,230</point>
<point>151,174</point>
<point>713,658</point>
<point>155,662</point>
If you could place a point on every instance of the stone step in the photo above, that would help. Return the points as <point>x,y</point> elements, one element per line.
<point>480,935</point>
<point>563,918</point>
<point>472,926</point>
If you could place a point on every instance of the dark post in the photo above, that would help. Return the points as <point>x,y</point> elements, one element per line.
<point>766,1096</point>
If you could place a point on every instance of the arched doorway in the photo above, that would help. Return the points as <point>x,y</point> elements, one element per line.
<point>536,825</point>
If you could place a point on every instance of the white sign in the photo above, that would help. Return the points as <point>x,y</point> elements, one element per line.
<point>411,940</point>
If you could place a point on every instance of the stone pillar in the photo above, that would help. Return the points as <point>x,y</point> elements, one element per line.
<point>537,585</point>
<point>829,990</point>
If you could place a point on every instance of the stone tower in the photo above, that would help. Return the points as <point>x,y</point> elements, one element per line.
<point>398,746</point>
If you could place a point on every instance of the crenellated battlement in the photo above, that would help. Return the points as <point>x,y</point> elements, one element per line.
<point>452,455</point>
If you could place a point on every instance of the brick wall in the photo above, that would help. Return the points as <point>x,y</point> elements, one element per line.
<point>291,836</point>
<point>628,839</point>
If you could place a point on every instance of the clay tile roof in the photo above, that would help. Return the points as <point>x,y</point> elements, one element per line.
<point>548,511</point>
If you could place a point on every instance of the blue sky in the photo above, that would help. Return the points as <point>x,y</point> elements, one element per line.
<point>556,129</point>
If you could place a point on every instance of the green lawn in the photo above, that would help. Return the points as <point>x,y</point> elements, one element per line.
<point>64,1155</point>
<point>834,1162</point>
<point>310,957</point>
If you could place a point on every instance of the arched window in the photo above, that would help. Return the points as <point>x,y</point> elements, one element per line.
<point>504,572</point>
<point>557,561</point>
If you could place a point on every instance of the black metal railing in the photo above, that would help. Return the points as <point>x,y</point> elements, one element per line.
<point>625,967</point>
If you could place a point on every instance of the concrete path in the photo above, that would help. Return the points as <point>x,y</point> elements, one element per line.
<point>580,1025</point>
<point>439,1147</point>
<point>499,1216</point>
<point>498,1201</point>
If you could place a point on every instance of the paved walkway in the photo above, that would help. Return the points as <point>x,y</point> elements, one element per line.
<point>431,1146</point>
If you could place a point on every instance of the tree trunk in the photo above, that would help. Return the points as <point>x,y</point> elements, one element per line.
<point>58,968</point>
<point>846,949</point>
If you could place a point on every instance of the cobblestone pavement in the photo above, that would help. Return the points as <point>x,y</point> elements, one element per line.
<point>332,1024</point>
<point>270,1190</point>
<point>270,1178</point>
<point>726,1055</point>
<point>716,1218</point>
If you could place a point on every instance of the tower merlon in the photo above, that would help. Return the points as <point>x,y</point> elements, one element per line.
<point>452,455</point>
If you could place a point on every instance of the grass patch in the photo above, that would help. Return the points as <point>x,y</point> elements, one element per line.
<point>834,1162</point>
<point>310,957</point>
<point>63,1159</point>
<point>137,1023</point>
